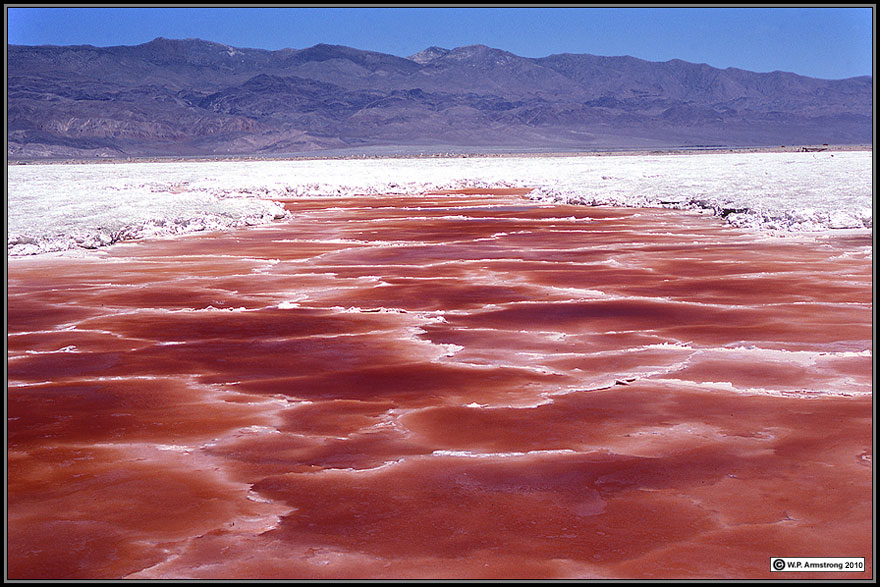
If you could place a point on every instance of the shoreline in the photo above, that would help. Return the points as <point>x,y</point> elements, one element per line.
<point>499,153</point>
<point>854,235</point>
<point>644,180</point>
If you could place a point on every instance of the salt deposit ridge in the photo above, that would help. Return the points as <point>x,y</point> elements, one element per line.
<point>59,207</point>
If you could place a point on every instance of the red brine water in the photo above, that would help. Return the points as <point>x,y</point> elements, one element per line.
<point>457,385</point>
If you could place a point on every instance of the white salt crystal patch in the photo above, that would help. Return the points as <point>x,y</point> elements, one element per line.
<point>451,349</point>
<point>259,430</point>
<point>173,447</point>
<point>493,455</point>
<point>56,207</point>
<point>254,496</point>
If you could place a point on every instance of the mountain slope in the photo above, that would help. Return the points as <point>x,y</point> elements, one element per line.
<point>194,97</point>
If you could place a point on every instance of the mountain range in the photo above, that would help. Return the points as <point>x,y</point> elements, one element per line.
<point>193,97</point>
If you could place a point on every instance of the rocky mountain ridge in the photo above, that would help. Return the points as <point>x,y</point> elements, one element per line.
<point>194,97</point>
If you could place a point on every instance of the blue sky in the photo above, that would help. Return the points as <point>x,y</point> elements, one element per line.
<point>824,42</point>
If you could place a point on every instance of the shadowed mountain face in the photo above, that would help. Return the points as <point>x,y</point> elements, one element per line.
<point>193,97</point>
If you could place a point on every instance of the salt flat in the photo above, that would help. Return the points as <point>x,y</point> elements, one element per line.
<point>442,383</point>
<point>59,207</point>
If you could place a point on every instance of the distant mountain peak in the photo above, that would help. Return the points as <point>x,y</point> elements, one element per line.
<point>182,42</point>
<point>471,50</point>
<point>428,55</point>
<point>468,53</point>
<point>371,60</point>
<point>482,54</point>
